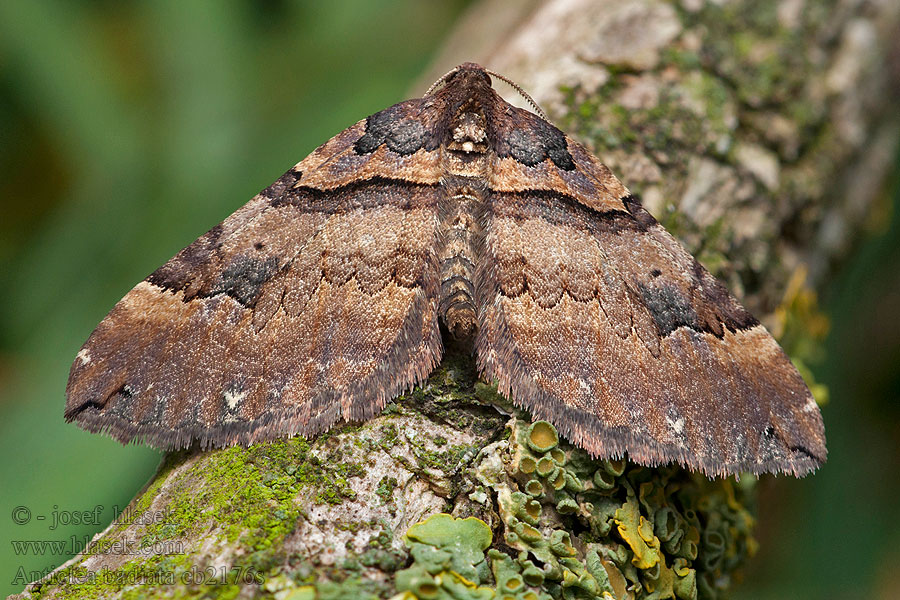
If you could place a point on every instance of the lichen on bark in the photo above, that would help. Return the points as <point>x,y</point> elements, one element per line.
<point>351,513</point>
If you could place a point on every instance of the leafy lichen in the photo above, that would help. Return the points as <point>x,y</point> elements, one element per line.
<point>448,560</point>
<point>642,533</point>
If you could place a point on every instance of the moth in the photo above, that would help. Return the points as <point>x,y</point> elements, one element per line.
<point>324,296</point>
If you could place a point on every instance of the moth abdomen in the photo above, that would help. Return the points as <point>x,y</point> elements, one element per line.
<point>460,232</point>
<point>465,164</point>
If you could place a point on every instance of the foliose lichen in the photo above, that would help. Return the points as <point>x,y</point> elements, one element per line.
<point>574,527</point>
<point>448,560</point>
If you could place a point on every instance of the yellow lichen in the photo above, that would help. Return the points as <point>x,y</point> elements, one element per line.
<point>638,534</point>
<point>542,436</point>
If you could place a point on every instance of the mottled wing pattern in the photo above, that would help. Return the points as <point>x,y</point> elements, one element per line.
<point>595,318</point>
<point>316,300</point>
<point>320,299</point>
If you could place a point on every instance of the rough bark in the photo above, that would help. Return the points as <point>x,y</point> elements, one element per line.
<point>759,133</point>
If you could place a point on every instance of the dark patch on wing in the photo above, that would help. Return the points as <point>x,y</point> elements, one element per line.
<point>398,127</point>
<point>155,413</point>
<point>669,308</point>
<point>633,206</point>
<point>729,311</point>
<point>178,273</point>
<point>281,184</point>
<point>531,140</point>
<point>119,403</point>
<point>522,205</point>
<point>708,294</point>
<point>243,278</point>
<point>807,453</point>
<point>361,194</point>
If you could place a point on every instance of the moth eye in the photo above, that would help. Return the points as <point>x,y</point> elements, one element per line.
<point>655,273</point>
<point>259,245</point>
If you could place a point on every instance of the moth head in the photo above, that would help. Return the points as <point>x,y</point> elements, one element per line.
<point>471,75</point>
<point>466,74</point>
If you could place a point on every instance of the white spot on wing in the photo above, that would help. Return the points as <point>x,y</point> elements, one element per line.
<point>84,356</point>
<point>677,425</point>
<point>232,398</point>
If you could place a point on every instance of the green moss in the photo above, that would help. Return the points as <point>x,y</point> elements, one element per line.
<point>685,60</point>
<point>446,460</point>
<point>597,118</point>
<point>335,491</point>
<point>203,504</point>
<point>272,473</point>
<point>694,116</point>
<point>487,394</point>
<point>389,436</point>
<point>453,394</point>
<point>386,487</point>
<point>747,45</point>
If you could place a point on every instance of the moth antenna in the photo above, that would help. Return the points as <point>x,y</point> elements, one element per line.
<point>507,80</point>
<point>522,93</point>
<point>441,80</point>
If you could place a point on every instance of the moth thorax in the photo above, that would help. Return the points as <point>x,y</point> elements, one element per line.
<point>468,144</point>
<point>467,149</point>
<point>468,134</point>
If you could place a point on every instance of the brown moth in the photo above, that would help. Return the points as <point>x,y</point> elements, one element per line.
<point>322,299</point>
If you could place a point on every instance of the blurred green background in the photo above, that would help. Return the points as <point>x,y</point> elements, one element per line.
<point>130,128</point>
